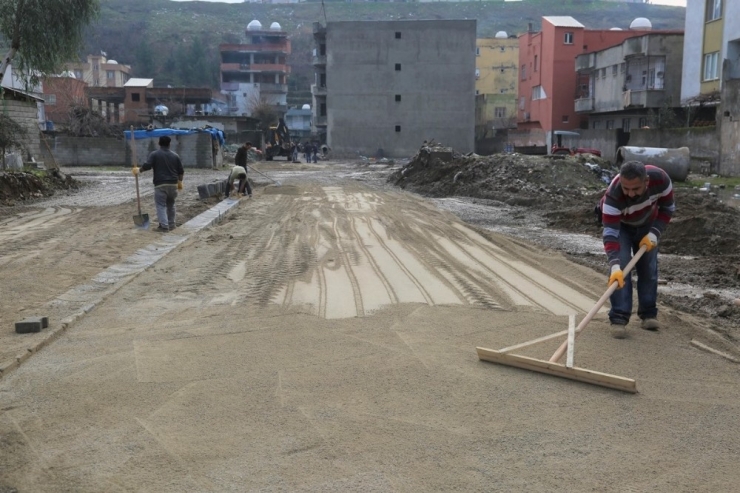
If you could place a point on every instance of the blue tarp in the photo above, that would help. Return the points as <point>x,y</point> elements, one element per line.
<point>216,134</point>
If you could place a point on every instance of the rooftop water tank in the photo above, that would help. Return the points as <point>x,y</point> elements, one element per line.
<point>255,25</point>
<point>275,27</point>
<point>501,35</point>
<point>641,24</point>
<point>306,107</point>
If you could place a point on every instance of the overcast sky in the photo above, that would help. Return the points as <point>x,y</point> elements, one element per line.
<point>680,3</point>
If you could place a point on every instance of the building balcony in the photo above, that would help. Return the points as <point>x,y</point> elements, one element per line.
<point>273,88</point>
<point>318,90</point>
<point>320,121</point>
<point>319,61</point>
<point>255,67</point>
<point>283,48</point>
<point>584,104</point>
<point>651,98</point>
<point>585,62</point>
<point>229,86</point>
<point>635,47</point>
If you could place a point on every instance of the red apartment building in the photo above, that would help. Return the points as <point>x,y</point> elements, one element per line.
<point>60,93</point>
<point>547,75</point>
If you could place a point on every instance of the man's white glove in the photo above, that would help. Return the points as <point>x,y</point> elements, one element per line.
<point>649,241</point>
<point>616,275</point>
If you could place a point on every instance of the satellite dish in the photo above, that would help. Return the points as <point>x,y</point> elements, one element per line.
<point>641,24</point>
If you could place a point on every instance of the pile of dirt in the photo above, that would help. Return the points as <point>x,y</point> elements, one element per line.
<point>24,185</point>
<point>514,179</point>
<point>704,234</point>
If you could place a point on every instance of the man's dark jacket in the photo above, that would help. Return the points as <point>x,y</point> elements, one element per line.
<point>166,165</point>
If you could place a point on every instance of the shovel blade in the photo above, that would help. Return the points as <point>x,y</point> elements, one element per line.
<point>142,221</point>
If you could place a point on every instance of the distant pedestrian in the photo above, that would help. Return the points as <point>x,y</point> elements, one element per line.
<point>295,152</point>
<point>315,152</point>
<point>168,175</point>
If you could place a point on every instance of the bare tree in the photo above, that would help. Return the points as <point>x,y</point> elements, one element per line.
<point>43,33</point>
<point>263,111</point>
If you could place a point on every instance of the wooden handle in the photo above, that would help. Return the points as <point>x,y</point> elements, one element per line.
<point>613,287</point>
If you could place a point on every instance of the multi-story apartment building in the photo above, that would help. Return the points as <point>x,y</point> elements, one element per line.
<point>711,72</point>
<point>256,72</point>
<point>391,85</point>
<point>496,69</point>
<point>98,71</point>
<point>618,86</point>
<point>711,49</point>
<point>547,77</point>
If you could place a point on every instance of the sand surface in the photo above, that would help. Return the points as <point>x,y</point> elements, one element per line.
<point>322,338</point>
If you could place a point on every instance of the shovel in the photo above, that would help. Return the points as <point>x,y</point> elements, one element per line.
<point>140,220</point>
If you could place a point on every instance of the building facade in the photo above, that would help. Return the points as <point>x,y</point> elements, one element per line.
<point>256,72</point>
<point>98,71</point>
<point>619,86</point>
<point>61,94</point>
<point>385,87</point>
<point>547,77</point>
<point>496,70</point>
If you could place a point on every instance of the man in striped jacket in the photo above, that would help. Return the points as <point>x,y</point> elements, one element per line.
<point>636,208</point>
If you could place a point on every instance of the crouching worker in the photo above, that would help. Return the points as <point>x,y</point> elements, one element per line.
<point>637,207</point>
<point>238,173</point>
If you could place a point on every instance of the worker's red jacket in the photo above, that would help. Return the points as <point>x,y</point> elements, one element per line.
<point>655,208</point>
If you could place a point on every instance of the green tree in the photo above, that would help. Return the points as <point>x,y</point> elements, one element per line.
<point>43,34</point>
<point>145,64</point>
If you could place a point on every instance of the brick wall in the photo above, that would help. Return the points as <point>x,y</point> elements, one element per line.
<point>26,114</point>
<point>195,150</point>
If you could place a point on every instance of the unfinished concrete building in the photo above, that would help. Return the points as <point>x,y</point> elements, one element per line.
<point>385,87</point>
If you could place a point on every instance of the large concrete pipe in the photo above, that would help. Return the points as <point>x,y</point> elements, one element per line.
<point>675,162</point>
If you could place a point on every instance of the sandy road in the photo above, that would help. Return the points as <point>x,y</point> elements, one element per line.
<point>322,339</point>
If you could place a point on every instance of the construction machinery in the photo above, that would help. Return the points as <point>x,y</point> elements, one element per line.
<point>277,141</point>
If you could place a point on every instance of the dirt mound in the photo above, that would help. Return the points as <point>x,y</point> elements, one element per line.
<point>24,185</point>
<point>515,179</point>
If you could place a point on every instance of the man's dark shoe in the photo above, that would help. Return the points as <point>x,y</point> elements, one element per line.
<point>162,229</point>
<point>618,329</point>
<point>650,324</point>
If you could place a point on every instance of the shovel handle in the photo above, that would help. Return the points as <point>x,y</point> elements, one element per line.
<point>613,287</point>
<point>136,164</point>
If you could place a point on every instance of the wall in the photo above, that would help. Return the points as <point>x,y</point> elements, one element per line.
<point>494,143</point>
<point>25,113</point>
<point>436,84</point>
<point>604,140</point>
<point>692,50</point>
<point>730,129</point>
<point>195,150</point>
<point>497,64</point>
<point>703,142</point>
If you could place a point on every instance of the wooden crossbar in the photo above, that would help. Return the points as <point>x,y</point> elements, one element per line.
<point>558,370</point>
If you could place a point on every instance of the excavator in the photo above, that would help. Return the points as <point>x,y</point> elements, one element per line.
<point>277,141</point>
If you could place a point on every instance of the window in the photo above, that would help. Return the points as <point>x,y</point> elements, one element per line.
<point>499,112</point>
<point>503,49</point>
<point>134,96</point>
<point>710,66</point>
<point>51,99</point>
<point>477,92</point>
<point>642,122</point>
<point>477,74</point>
<point>538,93</point>
<point>609,124</point>
<point>521,103</point>
<point>398,34</point>
<point>626,124</point>
<point>536,64</point>
<point>714,10</point>
<point>477,51</point>
<point>603,73</point>
<point>568,38</point>
<point>615,70</point>
<point>502,91</point>
<point>322,109</point>
<point>109,74</point>
<point>398,128</point>
<point>622,67</point>
<point>398,67</point>
<point>566,118</point>
<point>596,125</point>
<point>524,72</point>
<point>398,98</point>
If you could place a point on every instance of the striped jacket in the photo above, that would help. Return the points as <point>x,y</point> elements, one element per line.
<point>655,208</point>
